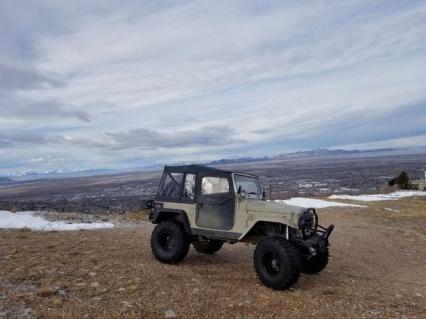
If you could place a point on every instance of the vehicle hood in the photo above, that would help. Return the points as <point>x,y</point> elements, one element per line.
<point>272,207</point>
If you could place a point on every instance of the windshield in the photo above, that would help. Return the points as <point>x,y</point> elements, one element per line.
<point>249,185</point>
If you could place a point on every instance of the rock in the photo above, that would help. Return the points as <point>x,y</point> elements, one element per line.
<point>61,292</point>
<point>375,312</point>
<point>328,291</point>
<point>121,289</point>
<point>132,288</point>
<point>94,284</point>
<point>418,294</point>
<point>24,313</point>
<point>169,314</point>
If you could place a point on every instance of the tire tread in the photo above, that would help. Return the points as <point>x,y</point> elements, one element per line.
<point>209,247</point>
<point>315,264</point>
<point>181,237</point>
<point>293,257</point>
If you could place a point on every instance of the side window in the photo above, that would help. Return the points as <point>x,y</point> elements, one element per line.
<point>214,185</point>
<point>189,190</point>
<point>178,177</point>
<point>171,185</point>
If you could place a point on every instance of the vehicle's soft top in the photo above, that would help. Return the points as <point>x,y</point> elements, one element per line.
<point>194,168</point>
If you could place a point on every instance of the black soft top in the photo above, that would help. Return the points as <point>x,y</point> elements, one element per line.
<point>194,169</point>
<point>201,169</point>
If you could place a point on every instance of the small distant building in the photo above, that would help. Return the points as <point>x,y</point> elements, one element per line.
<point>421,183</point>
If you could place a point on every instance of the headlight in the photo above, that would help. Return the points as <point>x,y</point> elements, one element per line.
<point>308,222</point>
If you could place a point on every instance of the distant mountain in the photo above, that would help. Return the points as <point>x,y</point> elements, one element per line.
<point>4,179</point>
<point>238,160</point>
<point>299,154</point>
<point>325,151</point>
<point>64,173</point>
<point>37,174</point>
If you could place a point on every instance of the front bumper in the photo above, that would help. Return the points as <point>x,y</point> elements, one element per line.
<point>317,242</point>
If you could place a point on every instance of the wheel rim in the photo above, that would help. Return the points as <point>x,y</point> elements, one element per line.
<point>271,263</point>
<point>166,240</point>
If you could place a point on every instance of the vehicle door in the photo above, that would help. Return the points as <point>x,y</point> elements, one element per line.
<point>215,202</point>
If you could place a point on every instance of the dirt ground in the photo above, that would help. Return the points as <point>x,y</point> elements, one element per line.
<point>377,270</point>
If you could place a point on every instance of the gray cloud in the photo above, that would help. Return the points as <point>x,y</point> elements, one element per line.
<point>24,109</point>
<point>151,139</point>
<point>11,139</point>
<point>98,83</point>
<point>52,109</point>
<point>264,131</point>
<point>13,78</point>
<point>23,139</point>
<point>138,138</point>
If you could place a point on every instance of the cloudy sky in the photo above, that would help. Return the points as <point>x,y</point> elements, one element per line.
<point>118,84</point>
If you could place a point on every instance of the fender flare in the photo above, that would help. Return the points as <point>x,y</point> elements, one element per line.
<point>260,222</point>
<point>159,215</point>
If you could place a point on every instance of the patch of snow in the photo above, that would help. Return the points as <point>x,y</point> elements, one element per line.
<point>314,203</point>
<point>379,197</point>
<point>392,210</point>
<point>9,220</point>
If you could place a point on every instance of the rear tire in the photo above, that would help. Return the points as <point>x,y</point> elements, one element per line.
<point>169,242</point>
<point>277,263</point>
<point>315,264</point>
<point>207,246</point>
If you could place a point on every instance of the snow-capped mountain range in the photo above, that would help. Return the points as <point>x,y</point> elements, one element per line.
<point>62,173</point>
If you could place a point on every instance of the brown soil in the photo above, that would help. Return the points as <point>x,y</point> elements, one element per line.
<point>377,270</point>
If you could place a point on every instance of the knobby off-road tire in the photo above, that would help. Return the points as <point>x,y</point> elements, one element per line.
<point>208,246</point>
<point>277,263</point>
<point>169,242</point>
<point>315,264</point>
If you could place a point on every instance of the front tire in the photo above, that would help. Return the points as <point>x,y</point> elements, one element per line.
<point>169,242</point>
<point>315,264</point>
<point>207,246</point>
<point>277,263</point>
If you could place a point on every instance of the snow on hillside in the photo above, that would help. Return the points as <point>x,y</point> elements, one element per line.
<point>379,197</point>
<point>314,203</point>
<point>9,220</point>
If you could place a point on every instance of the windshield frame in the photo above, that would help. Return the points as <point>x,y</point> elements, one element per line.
<point>256,196</point>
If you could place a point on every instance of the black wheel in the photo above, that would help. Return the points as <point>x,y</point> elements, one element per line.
<point>207,246</point>
<point>169,242</point>
<point>315,264</point>
<point>277,263</point>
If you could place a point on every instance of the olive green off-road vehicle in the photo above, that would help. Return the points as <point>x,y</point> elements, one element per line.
<point>207,207</point>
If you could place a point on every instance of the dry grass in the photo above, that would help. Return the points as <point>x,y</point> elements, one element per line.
<point>377,269</point>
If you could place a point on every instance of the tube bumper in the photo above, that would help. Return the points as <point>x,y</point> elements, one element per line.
<point>317,242</point>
